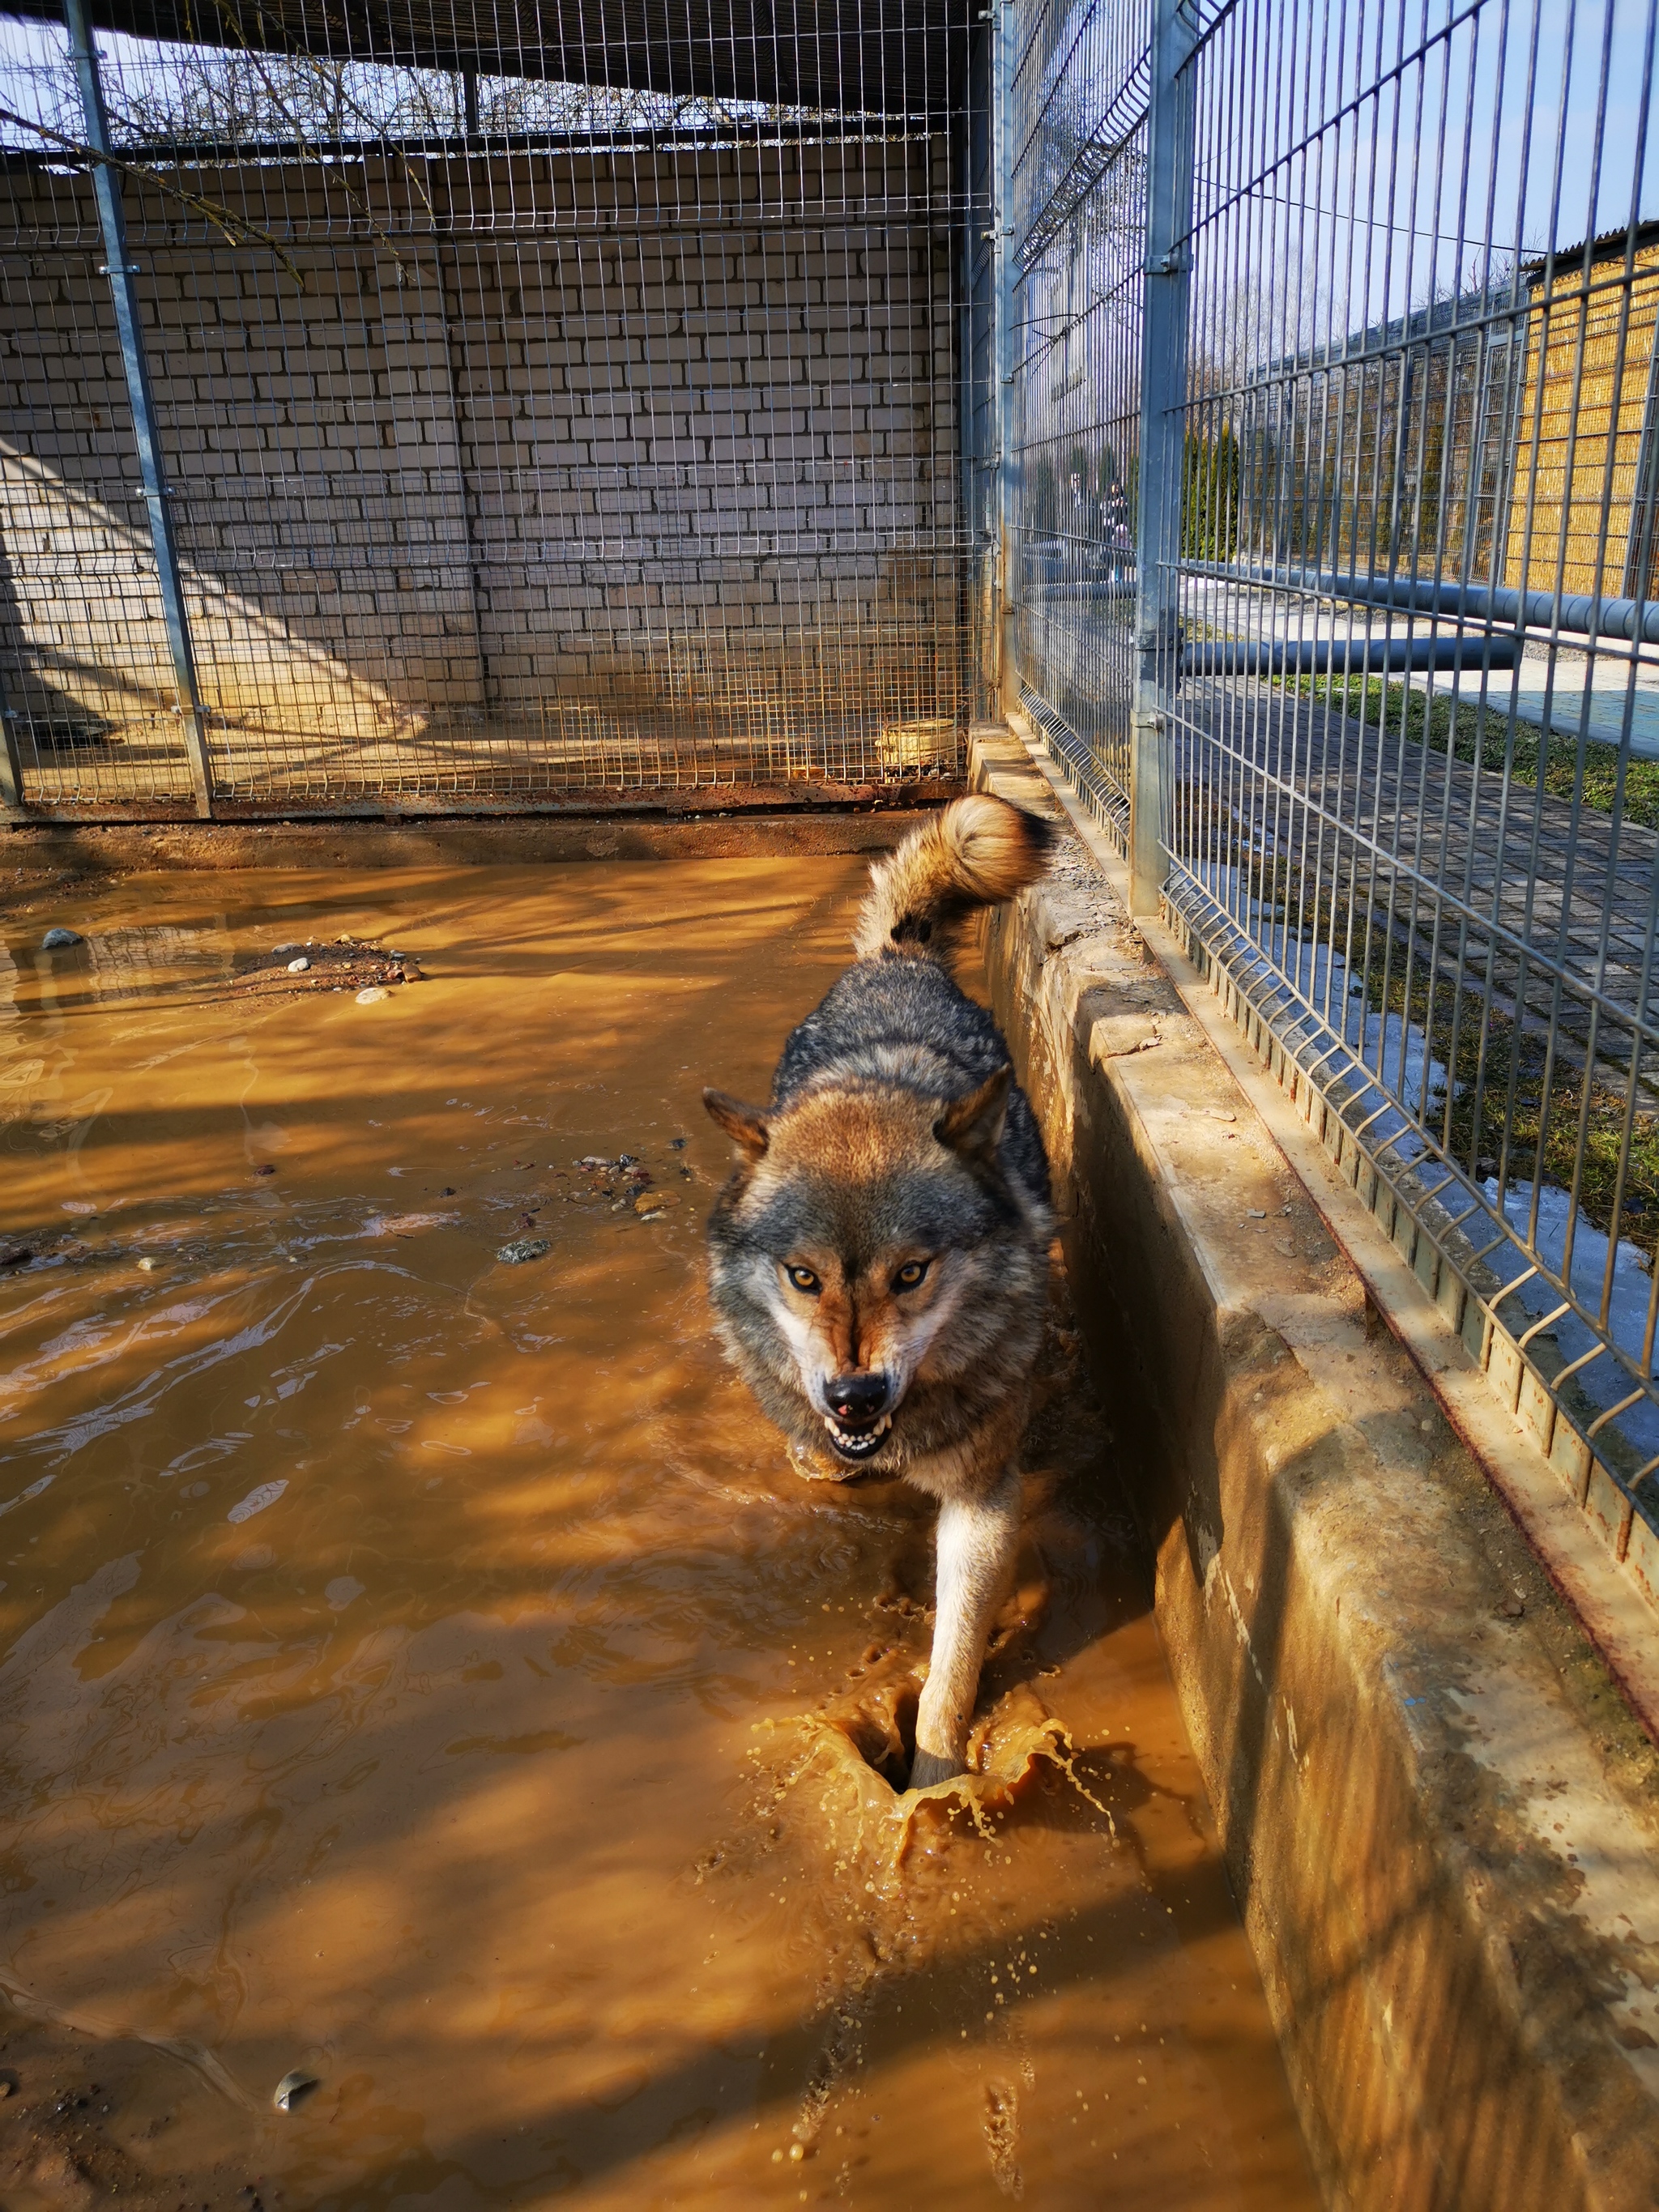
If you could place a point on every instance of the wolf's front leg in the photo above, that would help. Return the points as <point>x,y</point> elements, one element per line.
<point>978,1538</point>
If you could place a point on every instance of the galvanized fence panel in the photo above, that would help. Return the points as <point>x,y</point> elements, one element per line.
<point>523,435</point>
<point>1078,101</point>
<point>1408,514</point>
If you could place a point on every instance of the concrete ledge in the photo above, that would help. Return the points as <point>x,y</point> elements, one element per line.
<point>130,847</point>
<point>586,803</point>
<point>1441,1817</point>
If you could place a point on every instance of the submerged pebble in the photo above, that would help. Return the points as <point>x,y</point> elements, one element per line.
<point>655,1201</point>
<point>522,1249</point>
<point>292,2087</point>
<point>372,995</point>
<point>56,939</point>
<point>149,1264</point>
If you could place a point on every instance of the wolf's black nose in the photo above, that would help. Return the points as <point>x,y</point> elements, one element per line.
<point>856,1397</point>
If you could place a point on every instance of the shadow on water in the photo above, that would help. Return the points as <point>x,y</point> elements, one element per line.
<point>407,1657</point>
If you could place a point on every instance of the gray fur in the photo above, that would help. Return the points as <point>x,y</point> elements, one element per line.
<point>882,1011</point>
<point>889,1143</point>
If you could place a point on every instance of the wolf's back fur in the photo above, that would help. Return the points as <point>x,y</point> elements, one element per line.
<point>979,852</point>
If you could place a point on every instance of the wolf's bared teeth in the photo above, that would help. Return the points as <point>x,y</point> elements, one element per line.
<point>858,1439</point>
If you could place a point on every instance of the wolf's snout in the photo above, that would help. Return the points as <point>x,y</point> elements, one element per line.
<point>856,1397</point>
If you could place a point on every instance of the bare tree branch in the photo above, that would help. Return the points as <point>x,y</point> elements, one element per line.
<point>235,229</point>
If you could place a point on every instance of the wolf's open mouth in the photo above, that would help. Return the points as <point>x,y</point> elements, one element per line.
<point>858,1443</point>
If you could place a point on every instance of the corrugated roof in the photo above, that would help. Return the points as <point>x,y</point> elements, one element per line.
<point>905,56</point>
<point>1605,246</point>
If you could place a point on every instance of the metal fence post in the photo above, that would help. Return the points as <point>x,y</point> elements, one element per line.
<point>11,767</point>
<point>1163,438</point>
<point>1002,356</point>
<point>106,187</point>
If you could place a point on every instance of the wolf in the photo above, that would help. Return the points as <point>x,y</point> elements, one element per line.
<point>879,1260</point>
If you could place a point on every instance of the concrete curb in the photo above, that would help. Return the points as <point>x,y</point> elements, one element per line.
<point>136,848</point>
<point>1440,1817</point>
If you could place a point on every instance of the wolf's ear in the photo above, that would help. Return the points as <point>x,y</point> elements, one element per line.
<point>972,1126</point>
<point>745,1125</point>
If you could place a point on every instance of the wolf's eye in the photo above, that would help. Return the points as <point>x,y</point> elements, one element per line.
<point>803,1279</point>
<point>910,1274</point>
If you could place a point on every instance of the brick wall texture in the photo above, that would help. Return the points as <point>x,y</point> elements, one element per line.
<point>1589,430</point>
<point>508,469</point>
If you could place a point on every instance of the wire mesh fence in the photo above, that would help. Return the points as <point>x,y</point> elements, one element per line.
<point>1403,730</point>
<point>1079,79</point>
<point>516,412</point>
<point>1266,396</point>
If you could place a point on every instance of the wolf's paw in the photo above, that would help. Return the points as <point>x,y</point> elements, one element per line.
<point>928,1767</point>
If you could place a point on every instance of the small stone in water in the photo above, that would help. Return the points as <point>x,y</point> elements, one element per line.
<point>298,967</point>
<point>375,991</point>
<point>292,2087</point>
<point>265,1169</point>
<point>655,1201</point>
<point>677,1143</point>
<point>522,1249</point>
<point>149,1265</point>
<point>56,939</point>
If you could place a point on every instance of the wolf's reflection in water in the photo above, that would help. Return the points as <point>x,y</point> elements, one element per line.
<point>512,1760</point>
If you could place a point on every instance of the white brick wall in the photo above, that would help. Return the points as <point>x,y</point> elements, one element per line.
<point>459,477</point>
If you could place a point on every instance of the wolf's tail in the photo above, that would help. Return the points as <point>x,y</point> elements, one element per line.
<point>979,852</point>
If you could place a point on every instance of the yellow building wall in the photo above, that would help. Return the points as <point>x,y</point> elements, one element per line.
<point>1561,449</point>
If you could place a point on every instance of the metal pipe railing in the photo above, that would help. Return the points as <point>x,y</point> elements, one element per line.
<point>1579,614</point>
<point>1318,656</point>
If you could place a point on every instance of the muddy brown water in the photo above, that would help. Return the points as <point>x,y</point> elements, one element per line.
<point>425,1673</point>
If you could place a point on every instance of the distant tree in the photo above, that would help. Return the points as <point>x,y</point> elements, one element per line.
<point>1210,495</point>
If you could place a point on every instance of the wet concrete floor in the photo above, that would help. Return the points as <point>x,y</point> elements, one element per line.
<point>425,1672</point>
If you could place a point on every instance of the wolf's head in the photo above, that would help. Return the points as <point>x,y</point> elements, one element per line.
<point>864,1254</point>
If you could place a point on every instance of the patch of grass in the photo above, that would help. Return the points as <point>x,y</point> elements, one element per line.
<point>1449,1014</point>
<point>1482,733</point>
<point>1450,1017</point>
<point>1485,1060</point>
